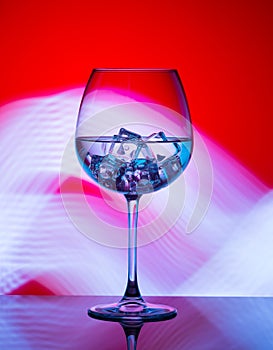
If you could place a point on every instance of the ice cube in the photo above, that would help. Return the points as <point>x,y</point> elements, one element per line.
<point>128,134</point>
<point>153,171</point>
<point>87,160</point>
<point>185,153</point>
<point>109,171</point>
<point>156,135</point>
<point>137,175</point>
<point>144,151</point>
<point>129,173</point>
<point>170,168</point>
<point>110,165</point>
<point>121,150</point>
<point>125,145</point>
<point>144,186</point>
<point>146,175</point>
<point>124,151</point>
<point>126,182</point>
<point>128,145</point>
<point>165,149</point>
<point>95,165</point>
<point>114,143</point>
<point>122,184</point>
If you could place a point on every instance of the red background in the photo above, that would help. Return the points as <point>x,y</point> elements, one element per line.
<point>222,49</point>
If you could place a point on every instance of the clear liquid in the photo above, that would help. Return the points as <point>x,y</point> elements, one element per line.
<point>133,167</point>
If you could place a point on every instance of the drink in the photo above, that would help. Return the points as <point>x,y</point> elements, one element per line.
<point>134,165</point>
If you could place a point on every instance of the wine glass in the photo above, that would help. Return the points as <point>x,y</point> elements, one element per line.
<point>133,136</point>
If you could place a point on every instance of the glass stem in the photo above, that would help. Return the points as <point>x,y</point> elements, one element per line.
<point>131,342</point>
<point>132,290</point>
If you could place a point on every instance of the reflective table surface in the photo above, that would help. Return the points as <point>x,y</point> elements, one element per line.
<point>61,322</point>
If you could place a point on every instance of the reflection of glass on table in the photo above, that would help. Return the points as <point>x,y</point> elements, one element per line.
<point>61,322</point>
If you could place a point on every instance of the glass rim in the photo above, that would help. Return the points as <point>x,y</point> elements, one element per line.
<point>159,70</point>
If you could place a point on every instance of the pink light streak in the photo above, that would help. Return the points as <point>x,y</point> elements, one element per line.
<point>227,254</point>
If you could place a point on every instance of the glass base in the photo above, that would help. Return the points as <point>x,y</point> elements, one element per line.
<point>132,311</point>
